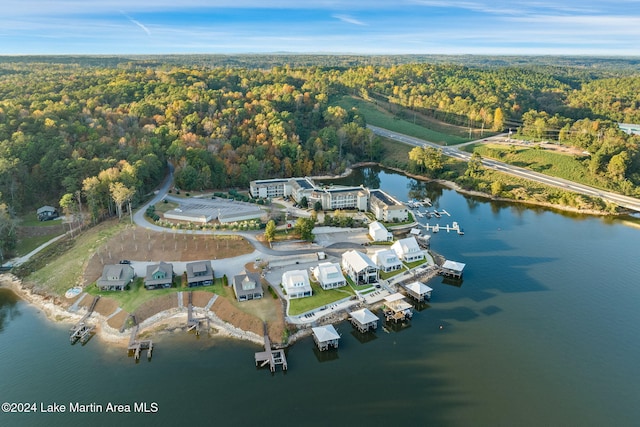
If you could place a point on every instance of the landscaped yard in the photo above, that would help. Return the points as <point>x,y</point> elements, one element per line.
<point>390,274</point>
<point>320,298</point>
<point>132,298</point>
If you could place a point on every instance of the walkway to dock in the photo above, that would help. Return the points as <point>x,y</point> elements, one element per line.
<point>194,323</point>
<point>270,356</point>
<point>82,331</point>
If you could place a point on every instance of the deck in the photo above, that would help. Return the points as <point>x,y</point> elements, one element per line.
<point>82,331</point>
<point>136,346</point>
<point>269,356</point>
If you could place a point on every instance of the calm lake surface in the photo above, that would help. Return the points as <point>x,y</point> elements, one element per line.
<point>543,330</point>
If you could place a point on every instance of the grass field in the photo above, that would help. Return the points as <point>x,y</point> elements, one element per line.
<point>379,117</point>
<point>543,161</point>
<point>320,298</point>
<point>65,271</point>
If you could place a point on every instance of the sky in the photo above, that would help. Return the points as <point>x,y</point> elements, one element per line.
<point>491,27</point>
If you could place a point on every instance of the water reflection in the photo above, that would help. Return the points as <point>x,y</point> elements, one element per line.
<point>8,309</point>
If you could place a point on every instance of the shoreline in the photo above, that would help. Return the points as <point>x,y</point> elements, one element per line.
<point>162,323</point>
<point>175,319</point>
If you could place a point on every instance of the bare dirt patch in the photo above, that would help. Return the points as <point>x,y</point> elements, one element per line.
<point>117,321</point>
<point>155,306</point>
<point>139,244</point>
<point>201,298</point>
<point>238,318</point>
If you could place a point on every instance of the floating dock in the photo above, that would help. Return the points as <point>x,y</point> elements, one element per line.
<point>269,356</point>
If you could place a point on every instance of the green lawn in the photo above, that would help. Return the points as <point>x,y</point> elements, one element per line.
<point>415,264</point>
<point>319,298</point>
<point>543,161</point>
<point>385,119</point>
<point>27,244</point>
<point>390,274</point>
<point>136,295</point>
<point>60,266</point>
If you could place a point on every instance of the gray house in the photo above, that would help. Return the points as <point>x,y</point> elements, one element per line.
<point>46,213</point>
<point>199,273</point>
<point>159,276</point>
<point>115,277</point>
<point>247,286</point>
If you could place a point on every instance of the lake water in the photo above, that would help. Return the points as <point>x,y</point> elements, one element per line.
<point>543,330</point>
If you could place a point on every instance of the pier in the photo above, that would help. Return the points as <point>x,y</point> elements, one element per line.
<point>136,346</point>
<point>194,323</point>
<point>448,228</point>
<point>82,331</point>
<point>270,357</point>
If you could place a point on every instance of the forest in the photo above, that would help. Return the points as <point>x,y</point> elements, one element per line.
<point>97,132</point>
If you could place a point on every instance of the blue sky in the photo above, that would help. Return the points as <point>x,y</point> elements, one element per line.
<point>569,27</point>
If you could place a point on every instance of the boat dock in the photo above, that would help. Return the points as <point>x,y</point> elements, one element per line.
<point>82,331</point>
<point>270,357</point>
<point>136,346</point>
<point>448,228</point>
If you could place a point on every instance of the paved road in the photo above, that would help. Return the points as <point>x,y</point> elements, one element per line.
<point>621,200</point>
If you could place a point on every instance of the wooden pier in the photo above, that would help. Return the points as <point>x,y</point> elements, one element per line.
<point>136,346</point>
<point>269,356</point>
<point>194,323</point>
<point>82,331</point>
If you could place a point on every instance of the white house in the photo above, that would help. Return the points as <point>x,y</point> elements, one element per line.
<point>408,249</point>
<point>387,260</point>
<point>329,275</point>
<point>379,233</point>
<point>359,267</point>
<point>296,284</point>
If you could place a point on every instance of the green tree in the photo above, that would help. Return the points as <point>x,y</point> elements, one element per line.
<point>8,237</point>
<point>304,227</point>
<point>474,166</point>
<point>270,231</point>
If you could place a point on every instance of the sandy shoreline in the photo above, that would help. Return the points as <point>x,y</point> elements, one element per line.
<point>164,322</point>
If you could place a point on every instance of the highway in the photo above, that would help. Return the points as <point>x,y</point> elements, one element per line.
<point>621,200</point>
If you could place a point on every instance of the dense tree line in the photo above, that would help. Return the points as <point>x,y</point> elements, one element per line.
<point>98,131</point>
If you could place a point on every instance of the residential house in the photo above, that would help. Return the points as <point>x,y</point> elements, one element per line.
<point>247,287</point>
<point>387,260</point>
<point>159,276</point>
<point>329,275</point>
<point>115,277</point>
<point>46,213</point>
<point>359,267</point>
<point>296,284</point>
<point>199,273</point>
<point>408,249</point>
<point>379,233</point>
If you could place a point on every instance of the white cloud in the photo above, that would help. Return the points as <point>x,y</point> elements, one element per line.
<point>349,20</point>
